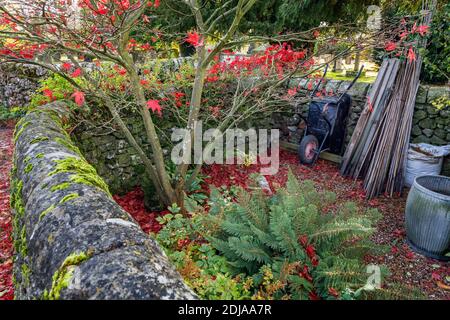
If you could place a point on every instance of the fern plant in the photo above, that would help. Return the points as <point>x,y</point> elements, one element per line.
<point>312,247</point>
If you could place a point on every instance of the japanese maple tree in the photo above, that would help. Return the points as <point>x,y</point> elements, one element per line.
<point>59,34</point>
<point>101,31</point>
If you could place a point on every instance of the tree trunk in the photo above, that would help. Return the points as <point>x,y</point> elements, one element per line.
<point>357,61</point>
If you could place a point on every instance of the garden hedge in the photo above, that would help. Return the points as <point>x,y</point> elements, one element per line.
<point>72,241</point>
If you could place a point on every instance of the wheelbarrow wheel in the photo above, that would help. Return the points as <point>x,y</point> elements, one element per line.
<point>308,148</point>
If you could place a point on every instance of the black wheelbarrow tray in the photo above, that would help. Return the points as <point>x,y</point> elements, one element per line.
<point>326,124</point>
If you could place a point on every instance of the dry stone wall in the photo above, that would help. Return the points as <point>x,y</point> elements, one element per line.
<point>72,241</point>
<point>119,165</point>
<point>18,83</point>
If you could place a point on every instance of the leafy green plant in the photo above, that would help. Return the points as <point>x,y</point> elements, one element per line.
<point>51,88</point>
<point>436,62</point>
<point>8,114</point>
<point>198,262</point>
<point>310,249</point>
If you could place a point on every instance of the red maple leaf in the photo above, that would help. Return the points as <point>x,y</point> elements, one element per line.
<point>292,92</point>
<point>411,54</point>
<point>76,73</point>
<point>333,292</point>
<point>67,66</point>
<point>154,106</point>
<point>48,93</point>
<point>78,97</point>
<point>390,46</point>
<point>194,39</point>
<point>422,29</point>
<point>102,9</point>
<point>436,276</point>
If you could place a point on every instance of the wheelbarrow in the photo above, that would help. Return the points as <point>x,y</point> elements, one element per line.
<point>326,123</point>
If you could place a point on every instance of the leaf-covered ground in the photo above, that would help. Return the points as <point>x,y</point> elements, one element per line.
<point>405,266</point>
<point>6,248</point>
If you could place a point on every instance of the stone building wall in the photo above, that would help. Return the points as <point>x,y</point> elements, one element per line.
<point>115,160</point>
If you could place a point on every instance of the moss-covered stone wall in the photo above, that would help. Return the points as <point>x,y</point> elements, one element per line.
<point>72,241</point>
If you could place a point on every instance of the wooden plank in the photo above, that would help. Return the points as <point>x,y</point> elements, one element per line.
<point>330,157</point>
<point>289,146</point>
<point>324,155</point>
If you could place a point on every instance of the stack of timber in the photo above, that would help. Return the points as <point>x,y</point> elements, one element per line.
<point>378,147</point>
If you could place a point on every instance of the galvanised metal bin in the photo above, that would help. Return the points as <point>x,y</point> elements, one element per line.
<point>428,216</point>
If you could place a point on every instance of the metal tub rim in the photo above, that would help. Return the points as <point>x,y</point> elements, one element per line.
<point>419,185</point>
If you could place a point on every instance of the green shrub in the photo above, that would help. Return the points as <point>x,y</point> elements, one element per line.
<point>206,272</point>
<point>57,85</point>
<point>436,61</point>
<point>292,244</point>
<point>8,114</point>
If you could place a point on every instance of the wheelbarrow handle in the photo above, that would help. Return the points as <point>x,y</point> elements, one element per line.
<point>320,82</point>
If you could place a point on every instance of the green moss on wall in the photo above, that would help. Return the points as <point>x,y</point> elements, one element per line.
<point>20,127</point>
<point>46,211</point>
<point>61,186</point>
<point>63,275</point>
<point>38,139</point>
<point>26,272</point>
<point>21,244</point>
<point>28,168</point>
<point>82,171</point>
<point>69,197</point>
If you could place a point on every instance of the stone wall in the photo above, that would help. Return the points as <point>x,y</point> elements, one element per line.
<point>122,169</point>
<point>72,241</point>
<point>115,160</point>
<point>18,83</point>
<point>431,125</point>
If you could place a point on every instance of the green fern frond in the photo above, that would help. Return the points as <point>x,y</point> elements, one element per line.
<point>249,249</point>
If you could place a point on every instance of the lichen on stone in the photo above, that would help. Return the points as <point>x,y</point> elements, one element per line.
<point>20,127</point>
<point>63,275</point>
<point>21,244</point>
<point>61,186</point>
<point>28,168</point>
<point>15,201</point>
<point>25,274</point>
<point>19,231</point>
